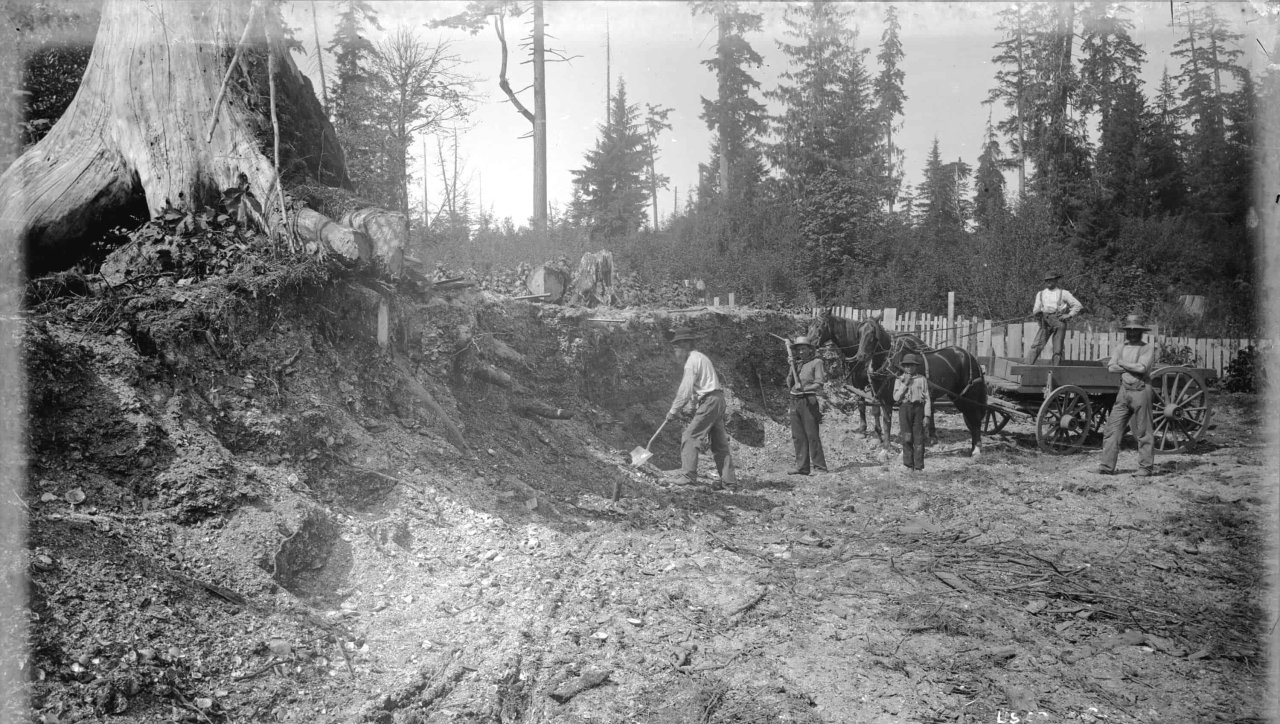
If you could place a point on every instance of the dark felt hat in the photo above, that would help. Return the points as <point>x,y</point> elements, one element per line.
<point>684,334</point>
<point>1050,276</point>
<point>911,359</point>
<point>1134,321</point>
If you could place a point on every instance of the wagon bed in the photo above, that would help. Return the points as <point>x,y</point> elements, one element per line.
<point>1070,400</point>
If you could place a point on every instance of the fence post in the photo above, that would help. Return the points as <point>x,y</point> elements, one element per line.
<point>731,299</point>
<point>951,318</point>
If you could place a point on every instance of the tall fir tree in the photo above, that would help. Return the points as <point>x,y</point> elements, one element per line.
<point>942,198</point>
<point>989,202</point>
<point>1110,59</point>
<point>610,191</point>
<point>1015,84</point>
<point>825,119</point>
<point>352,103</point>
<point>1208,54</point>
<point>737,120</point>
<point>889,100</point>
<point>1163,164</point>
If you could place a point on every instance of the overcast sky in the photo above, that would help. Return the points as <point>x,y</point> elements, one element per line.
<point>657,47</point>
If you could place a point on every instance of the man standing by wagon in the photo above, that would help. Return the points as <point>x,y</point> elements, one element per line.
<point>1133,361</point>
<point>700,390</point>
<point>1053,307</point>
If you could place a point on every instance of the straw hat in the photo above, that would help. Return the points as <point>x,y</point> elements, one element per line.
<point>802,341</point>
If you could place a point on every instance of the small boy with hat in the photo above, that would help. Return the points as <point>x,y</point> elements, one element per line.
<point>911,392</point>
<point>805,382</point>
<point>1133,361</point>
<point>1053,307</point>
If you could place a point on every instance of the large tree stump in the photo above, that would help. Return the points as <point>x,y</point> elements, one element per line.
<point>152,119</point>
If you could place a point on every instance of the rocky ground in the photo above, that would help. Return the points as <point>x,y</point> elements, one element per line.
<point>243,510</point>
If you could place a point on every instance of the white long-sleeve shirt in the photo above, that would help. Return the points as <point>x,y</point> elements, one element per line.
<point>699,379</point>
<point>1056,301</point>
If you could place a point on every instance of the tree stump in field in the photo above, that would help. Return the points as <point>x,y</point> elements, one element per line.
<point>181,101</point>
<point>548,280</point>
<point>593,283</point>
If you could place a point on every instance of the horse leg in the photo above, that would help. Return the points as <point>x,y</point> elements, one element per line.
<point>973,420</point>
<point>862,417</point>
<point>886,414</point>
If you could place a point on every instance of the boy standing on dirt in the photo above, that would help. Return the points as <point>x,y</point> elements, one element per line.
<point>911,392</point>
<point>805,382</point>
<point>1133,401</point>
<point>700,390</point>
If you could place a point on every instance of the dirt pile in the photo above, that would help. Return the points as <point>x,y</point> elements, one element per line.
<point>243,509</point>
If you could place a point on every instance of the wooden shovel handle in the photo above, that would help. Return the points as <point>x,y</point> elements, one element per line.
<point>655,435</point>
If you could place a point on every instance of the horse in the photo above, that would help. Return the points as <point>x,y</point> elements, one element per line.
<point>952,372</point>
<point>866,345</point>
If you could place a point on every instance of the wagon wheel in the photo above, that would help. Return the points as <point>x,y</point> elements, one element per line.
<point>1064,421</point>
<point>1179,409</point>
<point>994,421</point>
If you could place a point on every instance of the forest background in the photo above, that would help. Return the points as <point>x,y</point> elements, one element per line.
<point>1140,193</point>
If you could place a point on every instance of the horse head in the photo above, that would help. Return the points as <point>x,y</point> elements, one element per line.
<point>820,329</point>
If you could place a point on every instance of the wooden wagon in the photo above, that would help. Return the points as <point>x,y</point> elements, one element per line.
<point>1068,401</point>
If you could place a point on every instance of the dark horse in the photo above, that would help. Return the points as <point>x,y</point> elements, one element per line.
<point>867,347</point>
<point>953,373</point>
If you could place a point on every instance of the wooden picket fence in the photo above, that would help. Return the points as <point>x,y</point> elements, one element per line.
<point>1084,341</point>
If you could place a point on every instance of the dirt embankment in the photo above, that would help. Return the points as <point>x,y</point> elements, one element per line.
<point>243,510</point>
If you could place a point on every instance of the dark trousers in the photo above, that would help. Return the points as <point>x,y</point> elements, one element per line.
<point>1132,410</point>
<point>708,421</point>
<point>805,419</point>
<point>911,422</point>
<point>1051,327</point>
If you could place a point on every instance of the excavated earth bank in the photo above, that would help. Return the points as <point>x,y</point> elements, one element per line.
<point>243,510</point>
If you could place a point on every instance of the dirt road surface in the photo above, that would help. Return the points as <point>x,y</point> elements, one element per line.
<point>268,524</point>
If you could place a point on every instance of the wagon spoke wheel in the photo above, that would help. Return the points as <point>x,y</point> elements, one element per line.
<point>1179,409</point>
<point>1064,421</point>
<point>994,421</point>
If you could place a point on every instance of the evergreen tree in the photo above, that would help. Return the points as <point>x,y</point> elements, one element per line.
<point>1015,84</point>
<point>610,190</point>
<point>1207,55</point>
<point>1056,142</point>
<point>890,99</point>
<point>989,202</point>
<point>1110,60</point>
<point>738,121</point>
<point>942,203</point>
<point>352,104</point>
<point>1162,163</point>
<point>825,120</point>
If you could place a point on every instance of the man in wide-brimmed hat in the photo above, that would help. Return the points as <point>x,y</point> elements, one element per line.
<point>1133,361</point>
<point>700,390</point>
<point>1053,307</point>
<point>911,392</point>
<point>805,381</point>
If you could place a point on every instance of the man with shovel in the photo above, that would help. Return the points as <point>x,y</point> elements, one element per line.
<point>701,392</point>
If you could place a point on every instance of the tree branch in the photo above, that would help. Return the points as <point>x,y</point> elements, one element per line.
<point>502,73</point>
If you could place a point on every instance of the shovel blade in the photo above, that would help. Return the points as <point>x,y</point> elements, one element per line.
<point>640,456</point>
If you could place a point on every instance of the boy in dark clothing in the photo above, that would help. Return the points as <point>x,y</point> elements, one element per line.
<point>911,392</point>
